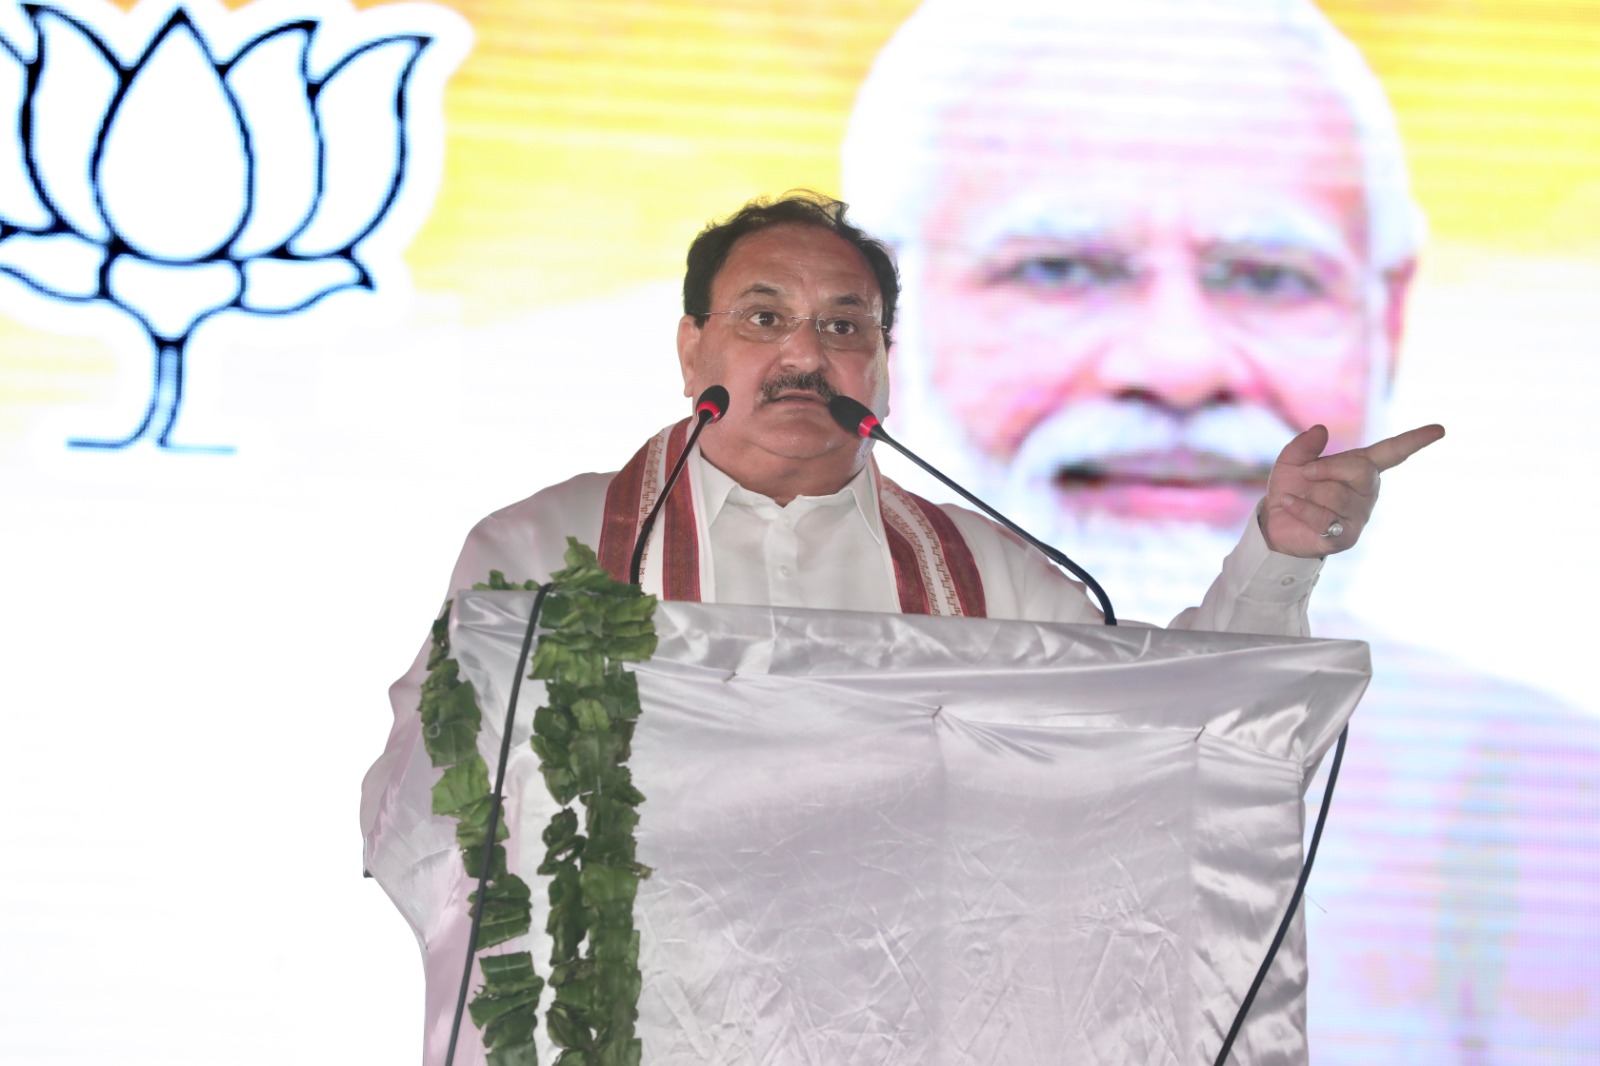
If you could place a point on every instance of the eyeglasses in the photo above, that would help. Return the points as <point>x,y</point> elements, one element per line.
<point>844,331</point>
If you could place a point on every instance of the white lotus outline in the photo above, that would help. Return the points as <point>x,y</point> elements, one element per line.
<point>49,248</point>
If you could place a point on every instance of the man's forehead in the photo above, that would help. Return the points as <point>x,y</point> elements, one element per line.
<point>791,261</point>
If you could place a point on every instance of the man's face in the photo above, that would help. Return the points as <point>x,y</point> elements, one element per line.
<point>777,417</point>
<point>1139,279</point>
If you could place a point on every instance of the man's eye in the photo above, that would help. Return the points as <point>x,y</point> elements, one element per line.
<point>1069,271</point>
<point>1276,282</point>
<point>764,318</point>
<point>843,326</point>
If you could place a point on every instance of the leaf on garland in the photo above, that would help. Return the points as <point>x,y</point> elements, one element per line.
<point>557,660</point>
<point>562,841</point>
<point>510,984</point>
<point>497,583</point>
<point>568,665</point>
<point>568,920</point>
<point>594,756</point>
<point>450,717</point>
<point>509,972</point>
<point>439,634</point>
<point>563,827</point>
<point>561,782</point>
<point>461,786</point>
<point>626,1053</point>
<point>515,1055</point>
<point>565,849</point>
<point>472,823</point>
<point>611,823</point>
<point>567,972</point>
<point>553,723</point>
<point>508,913</point>
<point>621,789</point>
<point>608,884</point>
<point>580,995</point>
<point>472,859</point>
<point>591,716</point>
<point>616,946</point>
<point>633,649</point>
<point>565,1030</point>
<point>512,1027</point>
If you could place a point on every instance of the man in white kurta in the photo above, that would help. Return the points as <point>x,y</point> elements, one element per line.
<point>787,305</point>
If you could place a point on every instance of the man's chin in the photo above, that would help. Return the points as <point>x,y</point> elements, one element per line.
<point>1215,505</point>
<point>804,422</point>
<point>798,430</point>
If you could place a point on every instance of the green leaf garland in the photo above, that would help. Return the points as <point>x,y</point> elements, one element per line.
<point>583,737</point>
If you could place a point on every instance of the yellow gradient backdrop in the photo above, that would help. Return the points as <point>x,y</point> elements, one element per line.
<point>589,139</point>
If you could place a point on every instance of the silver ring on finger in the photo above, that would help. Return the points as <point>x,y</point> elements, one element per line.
<point>1335,529</point>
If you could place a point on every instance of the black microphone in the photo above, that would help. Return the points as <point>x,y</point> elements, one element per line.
<point>712,405</point>
<point>856,417</point>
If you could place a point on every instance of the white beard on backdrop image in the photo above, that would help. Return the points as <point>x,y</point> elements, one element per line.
<point>1150,569</point>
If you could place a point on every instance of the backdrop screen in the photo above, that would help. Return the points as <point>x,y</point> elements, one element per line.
<point>292,293</point>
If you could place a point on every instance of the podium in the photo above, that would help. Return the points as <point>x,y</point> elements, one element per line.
<point>913,840</point>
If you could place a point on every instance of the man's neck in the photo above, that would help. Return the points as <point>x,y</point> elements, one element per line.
<point>781,479</point>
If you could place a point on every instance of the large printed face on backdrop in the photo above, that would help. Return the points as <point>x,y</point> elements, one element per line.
<point>1153,273</point>
<point>775,418</point>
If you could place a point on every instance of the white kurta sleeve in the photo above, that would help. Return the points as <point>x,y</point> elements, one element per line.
<point>1258,591</point>
<point>526,541</point>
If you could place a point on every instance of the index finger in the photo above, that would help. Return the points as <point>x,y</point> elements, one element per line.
<point>1393,451</point>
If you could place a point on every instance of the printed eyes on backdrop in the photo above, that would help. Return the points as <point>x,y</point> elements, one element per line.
<point>1264,291</point>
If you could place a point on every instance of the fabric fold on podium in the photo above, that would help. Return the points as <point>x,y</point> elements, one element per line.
<point>894,839</point>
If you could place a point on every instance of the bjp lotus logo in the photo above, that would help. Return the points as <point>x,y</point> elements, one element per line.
<point>181,162</point>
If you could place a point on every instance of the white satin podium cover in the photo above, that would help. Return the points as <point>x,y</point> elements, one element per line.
<point>911,840</point>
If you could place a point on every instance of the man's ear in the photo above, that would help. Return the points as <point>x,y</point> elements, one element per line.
<point>1396,287</point>
<point>689,333</point>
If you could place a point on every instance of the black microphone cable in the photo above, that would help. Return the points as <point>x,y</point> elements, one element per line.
<point>855,417</point>
<point>494,821</point>
<point>1294,901</point>
<point>711,406</point>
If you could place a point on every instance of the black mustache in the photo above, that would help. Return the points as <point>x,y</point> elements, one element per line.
<point>808,381</point>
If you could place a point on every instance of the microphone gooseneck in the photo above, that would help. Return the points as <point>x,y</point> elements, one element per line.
<point>856,417</point>
<point>712,405</point>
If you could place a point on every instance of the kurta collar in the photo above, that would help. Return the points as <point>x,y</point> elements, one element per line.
<point>716,487</point>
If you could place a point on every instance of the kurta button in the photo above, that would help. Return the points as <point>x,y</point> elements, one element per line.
<point>1286,582</point>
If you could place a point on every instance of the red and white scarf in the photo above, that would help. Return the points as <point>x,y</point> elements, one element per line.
<point>934,571</point>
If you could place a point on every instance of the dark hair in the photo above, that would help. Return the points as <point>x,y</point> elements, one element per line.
<point>798,207</point>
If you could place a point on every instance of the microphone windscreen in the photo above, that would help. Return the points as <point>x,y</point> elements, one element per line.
<point>713,401</point>
<point>853,415</point>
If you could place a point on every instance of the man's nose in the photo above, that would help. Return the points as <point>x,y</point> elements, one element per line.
<point>1176,347</point>
<point>803,347</point>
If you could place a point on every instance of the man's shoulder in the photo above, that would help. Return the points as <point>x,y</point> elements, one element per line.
<point>975,527</point>
<point>528,539</point>
<point>1018,582</point>
<point>984,534</point>
<point>581,492</point>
